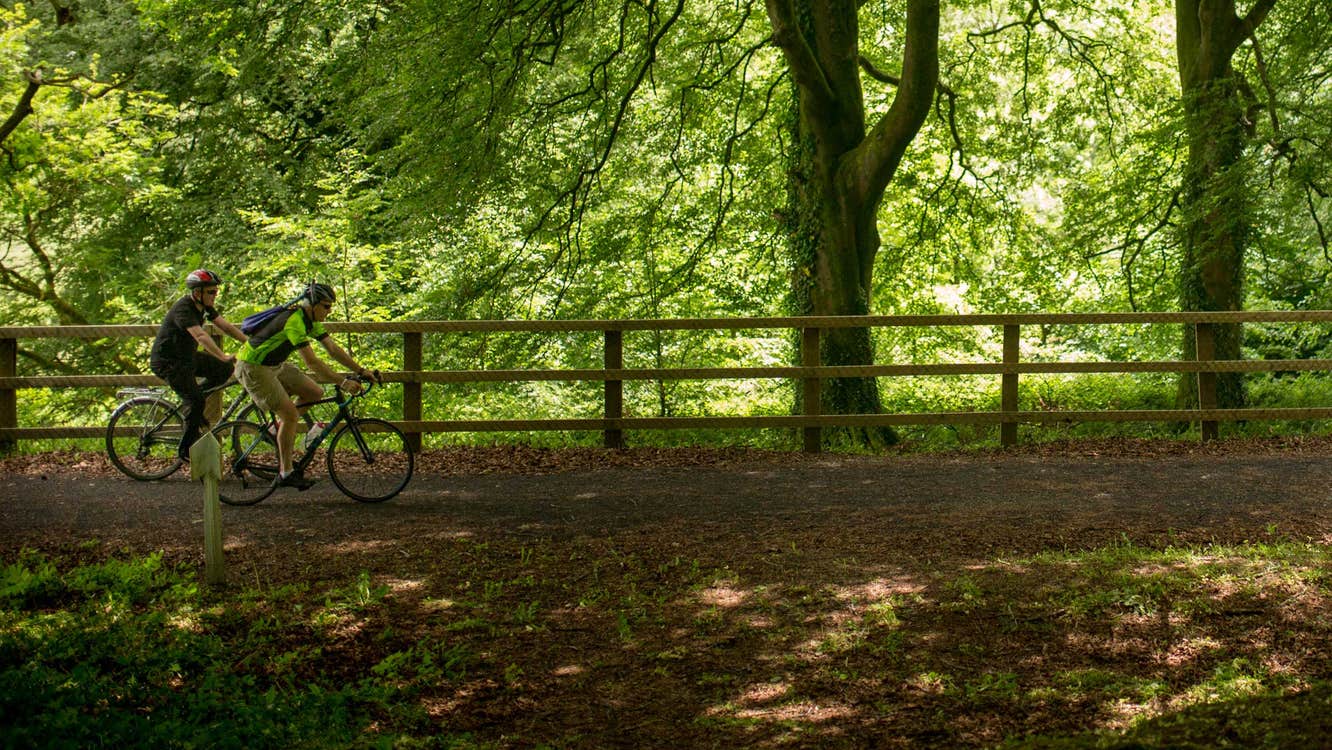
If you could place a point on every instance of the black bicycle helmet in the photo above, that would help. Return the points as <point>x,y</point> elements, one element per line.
<point>202,277</point>
<point>317,293</point>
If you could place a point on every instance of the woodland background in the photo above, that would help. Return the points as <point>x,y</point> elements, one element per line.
<point>654,159</point>
<point>542,159</point>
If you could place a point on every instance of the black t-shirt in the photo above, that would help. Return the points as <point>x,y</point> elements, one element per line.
<point>174,344</point>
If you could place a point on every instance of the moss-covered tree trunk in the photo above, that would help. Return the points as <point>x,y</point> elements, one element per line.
<point>1216,223</point>
<point>840,168</point>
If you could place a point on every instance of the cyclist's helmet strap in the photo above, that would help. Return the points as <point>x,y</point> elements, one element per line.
<point>316,293</point>
<point>201,278</point>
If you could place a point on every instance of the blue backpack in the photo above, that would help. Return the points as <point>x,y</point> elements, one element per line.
<point>251,324</point>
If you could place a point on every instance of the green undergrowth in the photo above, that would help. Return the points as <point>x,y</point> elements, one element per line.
<point>129,653</point>
<point>1120,645</point>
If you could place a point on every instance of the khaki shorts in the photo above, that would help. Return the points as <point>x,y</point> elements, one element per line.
<point>269,386</point>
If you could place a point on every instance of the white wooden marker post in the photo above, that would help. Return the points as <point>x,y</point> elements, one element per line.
<point>206,466</point>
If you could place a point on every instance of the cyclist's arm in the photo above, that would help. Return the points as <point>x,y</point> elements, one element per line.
<point>337,352</point>
<point>208,344</point>
<point>323,373</point>
<point>229,328</point>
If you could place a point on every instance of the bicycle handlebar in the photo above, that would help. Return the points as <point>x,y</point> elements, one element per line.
<point>367,385</point>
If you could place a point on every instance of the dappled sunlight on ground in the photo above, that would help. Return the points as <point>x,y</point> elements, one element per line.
<point>723,596</point>
<point>728,609</point>
<point>880,589</point>
<point>401,585</point>
<point>360,546</point>
<point>777,702</point>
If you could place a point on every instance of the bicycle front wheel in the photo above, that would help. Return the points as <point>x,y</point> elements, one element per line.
<point>143,438</point>
<point>369,460</point>
<point>249,462</point>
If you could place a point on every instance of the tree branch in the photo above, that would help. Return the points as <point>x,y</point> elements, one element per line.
<point>1261,64</point>
<point>1313,213</point>
<point>24,106</point>
<point>805,68</point>
<point>575,196</point>
<point>883,148</point>
<point>1141,240</point>
<point>1257,14</point>
<point>944,91</point>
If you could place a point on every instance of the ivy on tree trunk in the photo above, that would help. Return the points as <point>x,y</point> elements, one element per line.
<point>839,169</point>
<point>1216,207</point>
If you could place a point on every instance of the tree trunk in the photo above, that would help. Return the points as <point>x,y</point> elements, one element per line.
<point>1217,222</point>
<point>839,170</point>
<point>822,285</point>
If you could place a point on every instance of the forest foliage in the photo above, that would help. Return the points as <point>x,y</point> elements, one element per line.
<point>616,159</point>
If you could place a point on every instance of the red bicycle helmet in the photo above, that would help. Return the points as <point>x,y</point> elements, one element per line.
<point>202,277</point>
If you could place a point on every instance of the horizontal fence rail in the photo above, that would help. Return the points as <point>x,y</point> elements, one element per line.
<point>809,375</point>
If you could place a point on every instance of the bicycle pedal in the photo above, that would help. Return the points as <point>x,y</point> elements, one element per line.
<point>299,481</point>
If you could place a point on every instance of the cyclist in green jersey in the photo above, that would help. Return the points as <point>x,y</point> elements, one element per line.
<point>262,367</point>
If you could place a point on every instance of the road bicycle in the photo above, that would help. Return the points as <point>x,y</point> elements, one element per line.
<point>143,434</point>
<point>368,459</point>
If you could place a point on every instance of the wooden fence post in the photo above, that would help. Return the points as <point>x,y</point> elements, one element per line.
<point>206,466</point>
<point>1206,351</point>
<point>213,403</point>
<point>812,395</point>
<point>614,390</point>
<point>8,396</point>
<point>1008,429</point>
<point>411,389</point>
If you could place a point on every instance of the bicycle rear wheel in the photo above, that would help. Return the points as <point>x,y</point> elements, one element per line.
<point>249,462</point>
<point>143,436</point>
<point>369,460</point>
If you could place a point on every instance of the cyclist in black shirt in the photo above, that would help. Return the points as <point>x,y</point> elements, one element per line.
<point>176,357</point>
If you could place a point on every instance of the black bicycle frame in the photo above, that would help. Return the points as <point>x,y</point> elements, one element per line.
<point>344,415</point>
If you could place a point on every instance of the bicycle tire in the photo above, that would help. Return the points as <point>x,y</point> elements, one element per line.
<point>249,413</point>
<point>370,465</point>
<point>249,462</point>
<point>149,447</point>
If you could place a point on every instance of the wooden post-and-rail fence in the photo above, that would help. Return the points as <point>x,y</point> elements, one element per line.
<point>810,373</point>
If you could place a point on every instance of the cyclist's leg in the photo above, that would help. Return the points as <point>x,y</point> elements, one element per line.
<point>261,382</point>
<point>287,417</point>
<point>305,390</point>
<point>211,371</point>
<point>181,379</point>
<point>302,388</point>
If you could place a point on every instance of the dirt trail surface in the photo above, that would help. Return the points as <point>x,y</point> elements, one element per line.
<point>923,504</point>
<point>727,598</point>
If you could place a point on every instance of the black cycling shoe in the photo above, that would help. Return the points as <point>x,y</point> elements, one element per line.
<point>295,479</point>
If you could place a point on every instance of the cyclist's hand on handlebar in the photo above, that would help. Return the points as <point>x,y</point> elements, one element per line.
<point>373,375</point>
